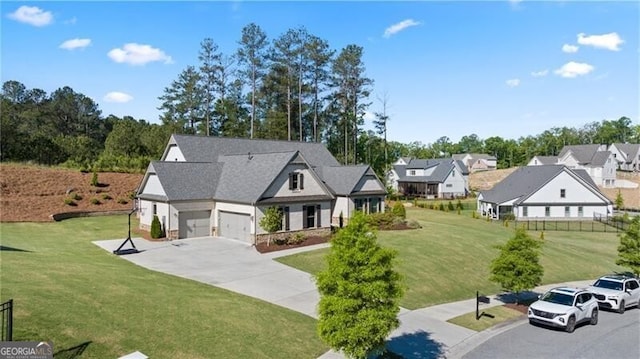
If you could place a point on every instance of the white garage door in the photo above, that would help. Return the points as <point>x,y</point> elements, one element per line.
<point>235,226</point>
<point>195,224</point>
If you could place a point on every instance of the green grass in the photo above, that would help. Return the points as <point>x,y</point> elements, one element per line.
<point>69,291</point>
<point>448,258</point>
<point>500,314</point>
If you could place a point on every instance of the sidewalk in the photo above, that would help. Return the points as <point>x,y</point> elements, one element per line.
<point>425,333</point>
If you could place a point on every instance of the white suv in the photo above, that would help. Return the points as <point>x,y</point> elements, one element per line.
<point>617,292</point>
<point>564,307</point>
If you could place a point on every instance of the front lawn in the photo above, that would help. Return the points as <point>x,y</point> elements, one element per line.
<point>448,258</point>
<point>70,291</point>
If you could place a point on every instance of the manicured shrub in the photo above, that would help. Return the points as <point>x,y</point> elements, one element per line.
<point>450,206</point>
<point>156,229</point>
<point>106,197</point>
<point>122,201</point>
<point>69,202</point>
<point>413,224</point>
<point>75,196</point>
<point>441,206</point>
<point>459,205</point>
<point>381,220</point>
<point>474,214</point>
<point>296,238</point>
<point>95,201</point>
<point>399,210</point>
<point>542,236</point>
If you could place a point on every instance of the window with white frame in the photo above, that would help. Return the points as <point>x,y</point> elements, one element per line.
<point>525,211</point>
<point>580,211</point>
<point>563,193</point>
<point>412,173</point>
<point>567,211</point>
<point>547,211</point>
<point>296,181</point>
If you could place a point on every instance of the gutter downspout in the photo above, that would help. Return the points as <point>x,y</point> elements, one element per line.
<point>255,220</point>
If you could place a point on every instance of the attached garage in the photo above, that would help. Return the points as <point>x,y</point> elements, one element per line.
<point>195,224</point>
<point>235,225</point>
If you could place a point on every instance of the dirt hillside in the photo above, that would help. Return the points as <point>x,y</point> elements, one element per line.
<point>33,193</point>
<point>480,181</point>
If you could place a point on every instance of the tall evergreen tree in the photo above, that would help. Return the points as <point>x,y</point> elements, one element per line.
<point>252,54</point>
<point>210,73</point>
<point>380,124</point>
<point>182,102</point>
<point>284,55</point>
<point>319,54</point>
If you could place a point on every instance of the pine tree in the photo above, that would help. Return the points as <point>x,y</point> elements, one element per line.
<point>359,292</point>
<point>252,54</point>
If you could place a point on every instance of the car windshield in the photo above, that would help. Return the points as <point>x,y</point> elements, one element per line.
<point>558,298</point>
<point>608,284</point>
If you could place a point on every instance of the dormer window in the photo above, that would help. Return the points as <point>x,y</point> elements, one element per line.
<point>412,173</point>
<point>296,181</point>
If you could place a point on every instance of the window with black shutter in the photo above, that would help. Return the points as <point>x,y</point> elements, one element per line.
<point>291,181</point>
<point>301,180</point>
<point>304,216</point>
<point>286,219</point>
<point>319,214</point>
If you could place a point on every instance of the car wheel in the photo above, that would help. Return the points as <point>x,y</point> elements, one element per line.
<point>621,308</point>
<point>571,324</point>
<point>594,317</point>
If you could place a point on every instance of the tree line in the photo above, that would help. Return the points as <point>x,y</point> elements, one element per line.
<point>292,87</point>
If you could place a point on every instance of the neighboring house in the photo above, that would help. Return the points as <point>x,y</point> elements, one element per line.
<point>218,186</point>
<point>545,192</point>
<point>543,160</point>
<point>595,159</point>
<point>477,161</point>
<point>432,178</point>
<point>627,156</point>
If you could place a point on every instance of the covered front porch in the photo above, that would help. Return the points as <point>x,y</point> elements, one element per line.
<point>494,210</point>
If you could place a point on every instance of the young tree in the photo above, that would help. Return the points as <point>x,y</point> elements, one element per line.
<point>629,248</point>
<point>252,53</point>
<point>619,200</point>
<point>359,292</point>
<point>271,221</point>
<point>518,268</point>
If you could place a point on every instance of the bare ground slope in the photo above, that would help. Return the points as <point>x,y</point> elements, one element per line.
<point>32,193</point>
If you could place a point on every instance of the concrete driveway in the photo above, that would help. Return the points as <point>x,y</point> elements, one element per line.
<point>231,265</point>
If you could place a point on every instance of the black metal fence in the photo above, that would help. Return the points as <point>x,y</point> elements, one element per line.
<point>6,314</point>
<point>573,225</point>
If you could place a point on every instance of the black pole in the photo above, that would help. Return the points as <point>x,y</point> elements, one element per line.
<point>477,305</point>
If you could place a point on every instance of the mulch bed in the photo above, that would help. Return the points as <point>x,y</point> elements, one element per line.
<point>522,308</point>
<point>311,240</point>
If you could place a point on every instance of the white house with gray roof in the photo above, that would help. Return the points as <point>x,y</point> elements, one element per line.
<point>545,192</point>
<point>476,162</point>
<point>429,178</point>
<point>204,186</point>
<point>543,160</point>
<point>595,159</point>
<point>627,156</point>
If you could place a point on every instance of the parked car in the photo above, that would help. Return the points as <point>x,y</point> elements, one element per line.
<point>617,292</point>
<point>564,308</point>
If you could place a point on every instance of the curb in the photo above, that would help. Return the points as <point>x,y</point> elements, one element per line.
<point>464,347</point>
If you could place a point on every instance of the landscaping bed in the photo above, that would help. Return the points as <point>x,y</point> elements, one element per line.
<point>308,241</point>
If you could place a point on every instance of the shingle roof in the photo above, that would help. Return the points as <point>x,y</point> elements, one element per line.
<point>443,167</point>
<point>474,156</point>
<point>342,179</point>
<point>246,177</point>
<point>629,149</point>
<point>586,154</point>
<point>600,158</point>
<point>526,180</point>
<point>547,160</point>
<point>187,180</point>
<point>207,149</point>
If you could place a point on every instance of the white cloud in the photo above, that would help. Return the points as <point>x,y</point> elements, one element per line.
<point>138,54</point>
<point>118,97</point>
<point>32,15</point>
<point>513,82</point>
<point>610,41</point>
<point>541,73</point>
<point>574,69</point>
<point>396,28</point>
<point>570,49</point>
<point>75,44</point>
<point>369,116</point>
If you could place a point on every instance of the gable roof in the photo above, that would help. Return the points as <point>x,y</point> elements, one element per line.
<point>443,166</point>
<point>343,179</point>
<point>207,149</point>
<point>528,179</point>
<point>185,180</point>
<point>474,156</point>
<point>629,150</point>
<point>547,160</point>
<point>245,178</point>
<point>586,154</point>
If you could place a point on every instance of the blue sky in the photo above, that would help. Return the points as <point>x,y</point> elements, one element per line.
<point>502,68</point>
